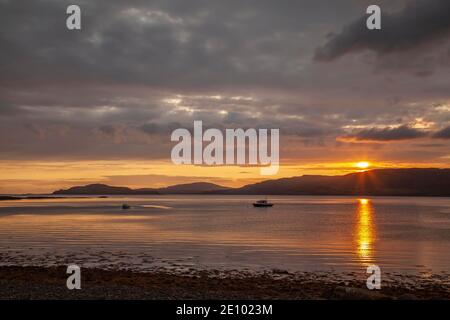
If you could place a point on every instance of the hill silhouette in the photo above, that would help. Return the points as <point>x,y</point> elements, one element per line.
<point>103,189</point>
<point>378,182</point>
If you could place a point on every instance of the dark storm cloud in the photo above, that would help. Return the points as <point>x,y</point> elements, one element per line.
<point>419,23</point>
<point>443,134</point>
<point>152,128</point>
<point>152,42</point>
<point>386,134</point>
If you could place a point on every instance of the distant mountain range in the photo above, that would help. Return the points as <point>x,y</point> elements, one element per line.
<point>197,187</point>
<point>379,182</point>
<point>103,189</point>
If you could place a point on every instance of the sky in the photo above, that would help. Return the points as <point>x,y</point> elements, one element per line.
<point>99,104</point>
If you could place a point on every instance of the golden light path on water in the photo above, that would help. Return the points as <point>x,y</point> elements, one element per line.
<point>365,231</point>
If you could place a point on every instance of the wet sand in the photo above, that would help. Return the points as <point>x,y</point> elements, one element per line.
<point>50,283</point>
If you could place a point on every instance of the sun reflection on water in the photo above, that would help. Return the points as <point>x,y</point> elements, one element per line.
<point>365,231</point>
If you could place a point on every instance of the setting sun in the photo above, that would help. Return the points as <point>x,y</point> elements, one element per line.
<point>363,201</point>
<point>362,164</point>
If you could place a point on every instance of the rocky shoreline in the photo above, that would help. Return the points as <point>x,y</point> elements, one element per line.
<point>18,282</point>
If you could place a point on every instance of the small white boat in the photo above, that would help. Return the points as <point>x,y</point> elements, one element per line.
<point>262,204</point>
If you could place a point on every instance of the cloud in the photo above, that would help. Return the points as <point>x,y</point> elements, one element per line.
<point>139,69</point>
<point>384,135</point>
<point>155,43</point>
<point>443,134</point>
<point>155,128</point>
<point>420,22</point>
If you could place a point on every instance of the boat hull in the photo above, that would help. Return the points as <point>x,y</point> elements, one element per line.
<point>260,205</point>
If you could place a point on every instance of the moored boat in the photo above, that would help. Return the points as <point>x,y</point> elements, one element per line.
<point>262,204</point>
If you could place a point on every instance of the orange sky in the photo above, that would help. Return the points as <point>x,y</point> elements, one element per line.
<point>45,177</point>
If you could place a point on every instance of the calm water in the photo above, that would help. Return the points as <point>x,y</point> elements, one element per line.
<point>299,233</point>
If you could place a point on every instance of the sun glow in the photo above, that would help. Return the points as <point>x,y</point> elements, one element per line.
<point>362,164</point>
<point>363,201</point>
